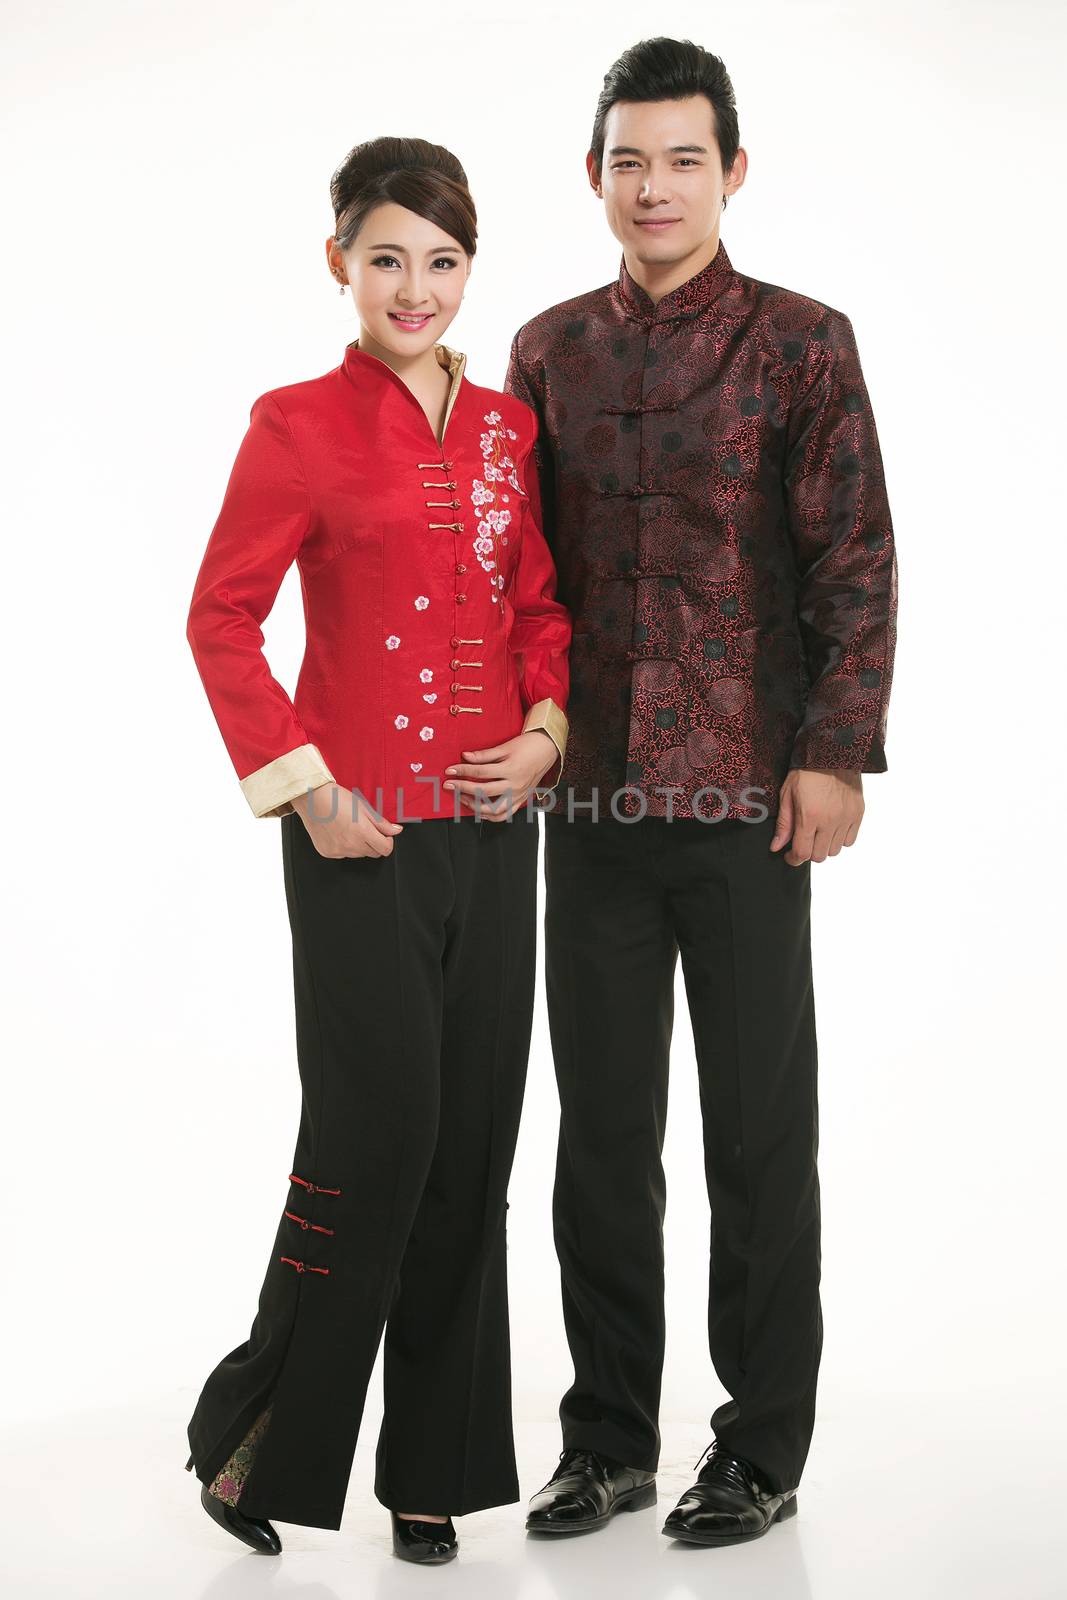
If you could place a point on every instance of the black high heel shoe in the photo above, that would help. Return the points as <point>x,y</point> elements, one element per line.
<point>429,1542</point>
<point>253,1531</point>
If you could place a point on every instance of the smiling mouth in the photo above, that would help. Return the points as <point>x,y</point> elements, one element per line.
<point>410,321</point>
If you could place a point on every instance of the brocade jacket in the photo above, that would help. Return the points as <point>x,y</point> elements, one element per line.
<point>713,496</point>
<point>432,625</point>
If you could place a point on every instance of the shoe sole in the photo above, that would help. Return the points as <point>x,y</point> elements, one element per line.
<point>427,1561</point>
<point>634,1500</point>
<point>788,1508</point>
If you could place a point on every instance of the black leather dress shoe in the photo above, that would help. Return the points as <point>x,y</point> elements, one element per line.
<point>428,1542</point>
<point>585,1491</point>
<point>250,1530</point>
<point>728,1503</point>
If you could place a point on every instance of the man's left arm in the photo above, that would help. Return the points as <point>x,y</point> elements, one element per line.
<point>842,533</point>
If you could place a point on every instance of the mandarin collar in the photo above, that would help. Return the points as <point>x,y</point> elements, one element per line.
<point>688,300</point>
<point>358,364</point>
<point>454,362</point>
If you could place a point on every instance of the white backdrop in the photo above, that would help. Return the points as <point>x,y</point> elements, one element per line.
<point>166,206</point>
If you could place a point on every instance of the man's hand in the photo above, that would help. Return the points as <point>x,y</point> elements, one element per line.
<point>503,775</point>
<point>821,809</point>
<point>337,833</point>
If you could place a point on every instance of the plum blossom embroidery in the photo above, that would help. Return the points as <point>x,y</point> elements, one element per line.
<point>425,733</point>
<point>401,721</point>
<point>489,502</point>
<point>430,698</point>
<point>426,675</point>
<point>392,641</point>
<point>421,602</point>
<point>416,766</point>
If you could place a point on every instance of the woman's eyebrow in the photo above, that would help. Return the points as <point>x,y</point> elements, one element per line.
<point>436,250</point>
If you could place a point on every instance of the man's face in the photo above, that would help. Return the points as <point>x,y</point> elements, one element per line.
<point>661,178</point>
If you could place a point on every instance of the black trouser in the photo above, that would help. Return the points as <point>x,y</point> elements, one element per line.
<point>414,978</point>
<point>622,900</point>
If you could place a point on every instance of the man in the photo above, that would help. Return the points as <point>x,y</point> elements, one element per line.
<point>713,495</point>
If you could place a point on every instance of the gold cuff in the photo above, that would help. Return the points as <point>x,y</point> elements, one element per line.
<point>270,789</point>
<point>547,716</point>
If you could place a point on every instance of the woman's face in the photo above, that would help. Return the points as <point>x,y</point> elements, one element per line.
<point>407,278</point>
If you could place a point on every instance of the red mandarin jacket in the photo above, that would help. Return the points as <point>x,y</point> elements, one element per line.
<point>714,500</point>
<point>432,625</point>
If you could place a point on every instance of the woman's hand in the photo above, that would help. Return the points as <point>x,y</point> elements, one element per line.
<point>341,830</point>
<point>497,781</point>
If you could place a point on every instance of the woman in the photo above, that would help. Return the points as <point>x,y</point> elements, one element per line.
<point>429,708</point>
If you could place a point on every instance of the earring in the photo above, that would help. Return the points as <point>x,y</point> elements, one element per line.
<point>724,199</point>
<point>342,288</point>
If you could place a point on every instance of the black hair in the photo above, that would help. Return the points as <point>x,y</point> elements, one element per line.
<point>670,69</point>
<point>424,177</point>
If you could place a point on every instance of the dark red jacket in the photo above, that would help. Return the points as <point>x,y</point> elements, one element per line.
<point>713,497</point>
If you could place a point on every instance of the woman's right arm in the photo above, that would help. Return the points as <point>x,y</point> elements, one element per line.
<point>264,519</point>
<point>256,537</point>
